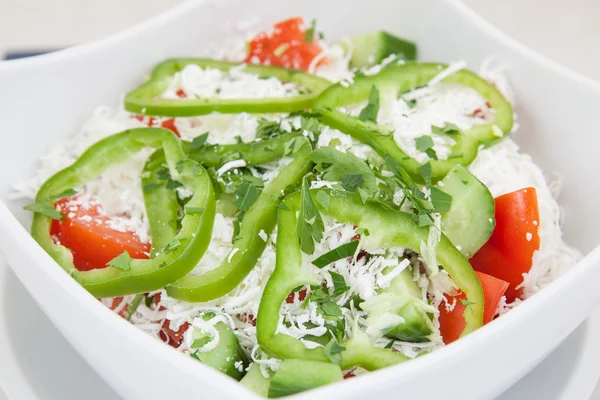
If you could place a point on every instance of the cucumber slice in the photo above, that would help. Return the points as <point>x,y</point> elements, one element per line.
<point>295,376</point>
<point>470,221</point>
<point>401,299</point>
<point>372,48</point>
<point>255,381</point>
<point>227,353</point>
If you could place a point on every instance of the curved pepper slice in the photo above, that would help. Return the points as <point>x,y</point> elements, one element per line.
<point>183,252</point>
<point>145,99</point>
<point>391,82</point>
<point>249,246</point>
<point>388,228</point>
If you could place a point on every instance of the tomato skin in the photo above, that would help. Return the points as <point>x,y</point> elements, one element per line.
<point>509,252</point>
<point>452,323</point>
<point>85,232</point>
<point>171,337</point>
<point>301,296</point>
<point>284,46</point>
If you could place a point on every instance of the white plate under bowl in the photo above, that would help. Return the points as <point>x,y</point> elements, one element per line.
<point>46,99</point>
<point>30,346</point>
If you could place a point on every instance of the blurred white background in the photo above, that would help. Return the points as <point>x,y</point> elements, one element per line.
<point>567,31</point>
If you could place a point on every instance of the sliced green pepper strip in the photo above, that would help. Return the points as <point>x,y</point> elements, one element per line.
<point>162,206</point>
<point>391,82</point>
<point>388,228</point>
<point>248,246</point>
<point>144,275</point>
<point>145,99</point>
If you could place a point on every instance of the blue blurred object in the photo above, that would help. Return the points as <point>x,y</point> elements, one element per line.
<point>13,55</point>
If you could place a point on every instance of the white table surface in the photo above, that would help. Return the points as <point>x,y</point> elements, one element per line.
<point>567,31</point>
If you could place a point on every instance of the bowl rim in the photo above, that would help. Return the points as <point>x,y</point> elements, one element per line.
<point>11,226</point>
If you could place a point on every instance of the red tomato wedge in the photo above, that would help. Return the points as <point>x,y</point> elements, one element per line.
<point>509,252</point>
<point>284,46</point>
<point>167,123</point>
<point>86,232</point>
<point>453,323</point>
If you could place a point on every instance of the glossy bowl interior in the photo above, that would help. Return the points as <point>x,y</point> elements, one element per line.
<point>46,99</point>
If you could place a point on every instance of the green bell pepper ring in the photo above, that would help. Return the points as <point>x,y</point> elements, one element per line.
<point>143,275</point>
<point>388,228</point>
<point>391,82</point>
<point>162,206</point>
<point>248,246</point>
<point>145,99</point>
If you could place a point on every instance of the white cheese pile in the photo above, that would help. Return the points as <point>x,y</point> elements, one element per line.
<point>197,82</point>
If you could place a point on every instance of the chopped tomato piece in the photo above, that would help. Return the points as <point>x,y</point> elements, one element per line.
<point>171,337</point>
<point>301,296</point>
<point>509,252</point>
<point>167,123</point>
<point>285,46</point>
<point>86,231</point>
<point>452,323</point>
<point>116,303</point>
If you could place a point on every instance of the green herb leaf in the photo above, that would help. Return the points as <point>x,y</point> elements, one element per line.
<point>390,344</point>
<point>193,210</point>
<point>340,252</point>
<point>425,171</point>
<point>339,283</point>
<point>199,141</point>
<point>333,351</point>
<point>135,303</point>
<point>309,35</point>
<point>334,165</point>
<point>171,184</point>
<point>330,309</point>
<point>310,124</point>
<point>122,261</point>
<point>149,187</point>
<point>369,113</point>
<point>245,196</point>
<point>425,144</point>
<point>351,182</point>
<point>363,231</point>
<point>467,304</point>
<point>293,145</point>
<point>441,200</point>
<point>267,128</point>
<point>66,193</point>
<point>448,129</point>
<point>44,209</point>
<point>149,300</point>
<point>310,224</point>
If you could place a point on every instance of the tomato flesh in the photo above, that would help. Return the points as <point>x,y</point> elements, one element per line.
<point>452,323</point>
<point>168,123</point>
<point>86,231</point>
<point>509,252</point>
<point>284,46</point>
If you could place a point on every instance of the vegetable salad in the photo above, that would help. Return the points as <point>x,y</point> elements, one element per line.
<point>298,211</point>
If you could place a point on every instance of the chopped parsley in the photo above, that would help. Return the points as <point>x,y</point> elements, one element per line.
<point>309,35</point>
<point>267,128</point>
<point>122,261</point>
<point>174,245</point>
<point>309,226</point>
<point>351,182</point>
<point>336,166</point>
<point>339,283</point>
<point>44,209</point>
<point>340,252</point>
<point>66,193</point>
<point>199,141</point>
<point>246,195</point>
<point>323,198</point>
<point>369,113</point>
<point>425,144</point>
<point>294,145</point>
<point>449,129</point>
<point>441,200</point>
<point>333,351</point>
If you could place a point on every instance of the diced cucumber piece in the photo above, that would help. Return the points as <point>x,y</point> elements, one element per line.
<point>470,221</point>
<point>398,311</point>
<point>295,376</point>
<point>255,381</point>
<point>372,48</point>
<point>228,356</point>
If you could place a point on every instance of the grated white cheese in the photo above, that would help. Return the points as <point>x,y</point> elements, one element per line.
<point>228,166</point>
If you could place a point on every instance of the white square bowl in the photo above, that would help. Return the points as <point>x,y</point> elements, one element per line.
<point>46,99</point>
